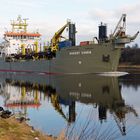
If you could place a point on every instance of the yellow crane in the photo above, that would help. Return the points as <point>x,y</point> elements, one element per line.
<point>56,38</point>
<point>56,105</point>
<point>70,117</point>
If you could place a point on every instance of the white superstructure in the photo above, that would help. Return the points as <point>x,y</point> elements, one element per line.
<point>20,97</point>
<point>18,37</point>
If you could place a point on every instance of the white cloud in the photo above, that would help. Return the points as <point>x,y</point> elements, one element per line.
<point>48,16</point>
<point>100,14</point>
<point>111,17</point>
<point>26,3</point>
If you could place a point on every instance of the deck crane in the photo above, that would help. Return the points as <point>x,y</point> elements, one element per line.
<point>119,34</point>
<point>121,26</point>
<point>71,115</point>
<point>57,36</point>
<point>56,105</point>
<point>121,125</point>
<point>119,117</point>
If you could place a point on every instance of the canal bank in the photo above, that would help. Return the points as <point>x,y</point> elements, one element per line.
<point>12,129</point>
<point>132,69</point>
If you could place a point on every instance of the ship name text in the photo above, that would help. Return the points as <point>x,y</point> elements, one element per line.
<point>78,95</point>
<point>78,53</point>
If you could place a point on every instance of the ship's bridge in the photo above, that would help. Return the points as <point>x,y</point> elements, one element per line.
<point>19,36</point>
<point>22,35</point>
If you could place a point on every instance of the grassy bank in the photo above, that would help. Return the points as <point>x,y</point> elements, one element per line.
<point>11,129</point>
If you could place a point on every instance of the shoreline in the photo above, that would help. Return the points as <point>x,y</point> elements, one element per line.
<point>132,69</point>
<point>12,129</point>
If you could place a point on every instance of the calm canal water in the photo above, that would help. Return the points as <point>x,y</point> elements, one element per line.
<point>84,106</point>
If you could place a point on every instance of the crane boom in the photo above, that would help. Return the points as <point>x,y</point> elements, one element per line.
<point>56,105</point>
<point>56,38</point>
<point>121,26</point>
<point>119,35</point>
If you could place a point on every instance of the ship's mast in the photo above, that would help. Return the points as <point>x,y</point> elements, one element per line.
<point>19,24</point>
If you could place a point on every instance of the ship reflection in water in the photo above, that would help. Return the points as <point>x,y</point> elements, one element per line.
<point>86,106</point>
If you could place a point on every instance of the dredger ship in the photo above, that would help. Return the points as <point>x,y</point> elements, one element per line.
<point>21,51</point>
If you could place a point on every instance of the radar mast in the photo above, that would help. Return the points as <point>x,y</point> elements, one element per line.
<point>19,24</point>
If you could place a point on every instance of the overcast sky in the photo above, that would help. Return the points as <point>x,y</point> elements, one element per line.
<point>48,16</point>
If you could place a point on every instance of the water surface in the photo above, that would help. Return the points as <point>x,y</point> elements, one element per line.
<point>85,106</point>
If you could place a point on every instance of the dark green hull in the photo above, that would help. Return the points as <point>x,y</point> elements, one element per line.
<point>85,88</point>
<point>96,58</point>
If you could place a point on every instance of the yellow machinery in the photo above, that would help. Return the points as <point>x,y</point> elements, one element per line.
<point>55,103</point>
<point>36,100</point>
<point>23,49</point>
<point>70,117</point>
<point>23,92</point>
<point>45,48</point>
<point>36,46</point>
<point>56,38</point>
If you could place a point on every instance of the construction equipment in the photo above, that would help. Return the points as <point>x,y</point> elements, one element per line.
<point>23,49</point>
<point>121,26</point>
<point>71,116</point>
<point>56,105</point>
<point>119,117</point>
<point>36,46</point>
<point>119,35</point>
<point>57,37</point>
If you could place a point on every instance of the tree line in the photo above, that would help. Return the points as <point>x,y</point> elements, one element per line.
<point>131,55</point>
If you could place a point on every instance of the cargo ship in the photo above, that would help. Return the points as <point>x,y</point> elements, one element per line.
<point>63,57</point>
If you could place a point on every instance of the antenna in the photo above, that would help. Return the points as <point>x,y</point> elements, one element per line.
<point>19,24</point>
